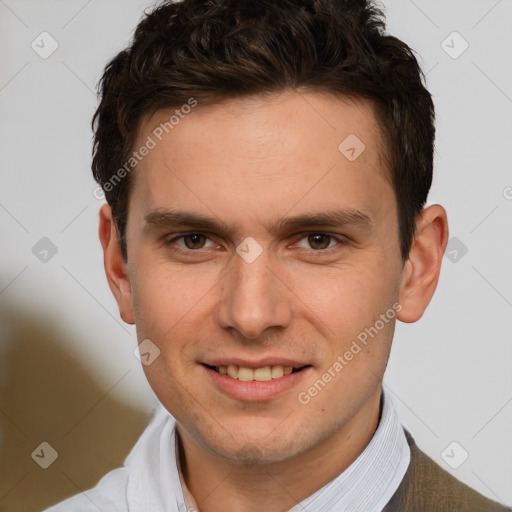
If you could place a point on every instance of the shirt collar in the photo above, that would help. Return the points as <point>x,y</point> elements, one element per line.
<point>153,475</point>
<point>371,480</point>
<point>367,484</point>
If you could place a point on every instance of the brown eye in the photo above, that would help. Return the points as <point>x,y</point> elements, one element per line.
<point>319,241</point>
<point>194,241</point>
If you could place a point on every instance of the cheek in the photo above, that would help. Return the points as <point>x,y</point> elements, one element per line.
<point>167,297</point>
<point>357,340</point>
<point>347,299</point>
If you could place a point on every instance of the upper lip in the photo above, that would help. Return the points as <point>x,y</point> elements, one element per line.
<point>260,363</point>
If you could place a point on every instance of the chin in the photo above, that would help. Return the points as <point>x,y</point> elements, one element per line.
<point>251,453</point>
<point>257,447</point>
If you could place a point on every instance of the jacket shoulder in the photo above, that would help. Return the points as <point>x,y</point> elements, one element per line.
<point>427,487</point>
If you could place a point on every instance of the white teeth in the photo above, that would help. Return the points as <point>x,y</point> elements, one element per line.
<point>245,374</point>
<point>277,371</point>
<point>232,371</point>
<point>262,374</point>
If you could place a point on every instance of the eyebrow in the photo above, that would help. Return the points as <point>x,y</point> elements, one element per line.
<point>334,219</point>
<point>176,219</point>
<point>338,218</point>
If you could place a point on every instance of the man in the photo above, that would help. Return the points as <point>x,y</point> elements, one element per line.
<point>266,166</point>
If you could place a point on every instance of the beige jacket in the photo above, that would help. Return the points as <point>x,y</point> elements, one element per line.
<point>428,488</point>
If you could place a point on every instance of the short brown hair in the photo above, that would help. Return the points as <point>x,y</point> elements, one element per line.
<point>212,50</point>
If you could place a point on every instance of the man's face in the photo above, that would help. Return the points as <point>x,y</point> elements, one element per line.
<point>322,264</point>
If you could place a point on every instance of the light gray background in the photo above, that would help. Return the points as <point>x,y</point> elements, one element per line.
<point>449,374</point>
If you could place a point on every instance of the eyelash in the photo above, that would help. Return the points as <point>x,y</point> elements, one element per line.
<point>341,240</point>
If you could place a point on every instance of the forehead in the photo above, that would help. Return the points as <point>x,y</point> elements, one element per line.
<point>262,155</point>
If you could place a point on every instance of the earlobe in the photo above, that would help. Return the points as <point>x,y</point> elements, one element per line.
<point>421,271</point>
<point>115,266</point>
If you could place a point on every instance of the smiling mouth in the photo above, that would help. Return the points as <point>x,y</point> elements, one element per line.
<point>263,374</point>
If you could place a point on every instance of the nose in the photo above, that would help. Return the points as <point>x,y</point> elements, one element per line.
<point>254,299</point>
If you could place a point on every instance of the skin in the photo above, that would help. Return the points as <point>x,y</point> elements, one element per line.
<point>249,163</point>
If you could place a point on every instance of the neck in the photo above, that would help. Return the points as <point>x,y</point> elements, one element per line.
<point>220,485</point>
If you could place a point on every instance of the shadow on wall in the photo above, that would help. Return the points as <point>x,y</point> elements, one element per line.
<point>45,393</point>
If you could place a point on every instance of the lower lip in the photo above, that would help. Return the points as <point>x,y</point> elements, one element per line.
<point>255,391</point>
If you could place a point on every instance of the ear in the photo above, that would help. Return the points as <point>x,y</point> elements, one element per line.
<point>421,270</point>
<point>115,266</point>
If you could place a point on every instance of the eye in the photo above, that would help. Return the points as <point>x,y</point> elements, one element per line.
<point>317,241</point>
<point>192,241</point>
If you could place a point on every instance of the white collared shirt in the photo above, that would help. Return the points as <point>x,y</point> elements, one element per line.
<point>150,479</point>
